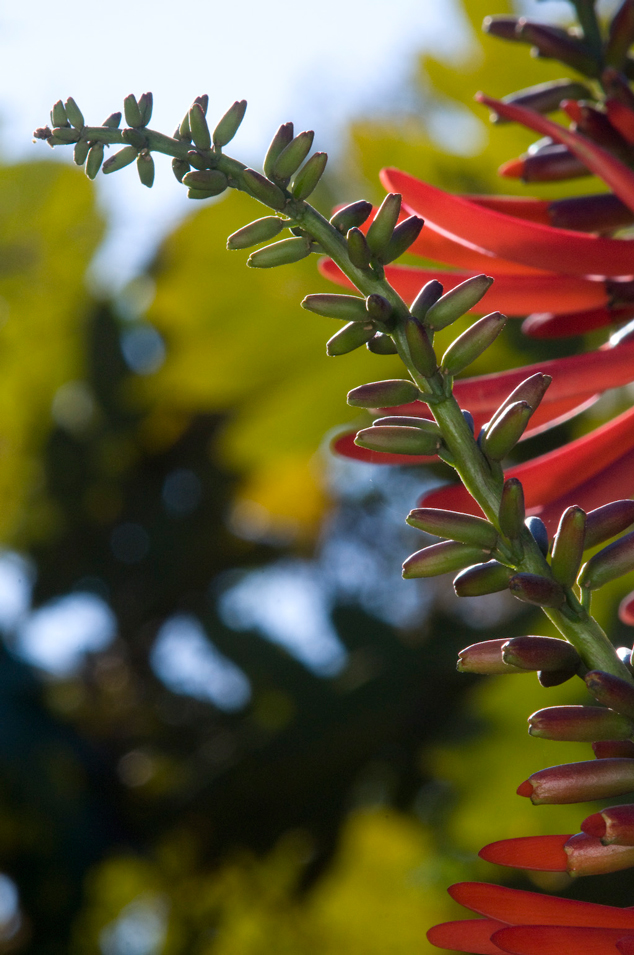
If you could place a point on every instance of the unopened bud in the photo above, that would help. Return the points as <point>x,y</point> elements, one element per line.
<point>511,514</point>
<point>80,152</point>
<point>613,826</point>
<point>555,43</point>
<point>579,782</point>
<point>280,141</point>
<point>605,522</point>
<point>531,390</point>
<point>112,121</point>
<point>74,114</point>
<point>212,181</point>
<point>548,678</point>
<point>351,216</point>
<point>134,137</point>
<point>454,525</point>
<point>180,167</point>
<point>384,394</point>
<point>472,343</point>
<point>613,561</point>
<point>420,348</point>
<point>485,658</point>
<point>587,856</point>
<point>428,296</point>
<point>94,160</point>
<point>579,724</point>
<point>501,26</point>
<point>123,158</point>
<point>307,178</point>
<point>379,309</point>
<point>198,127</point>
<point>347,308</point>
<point>382,227</point>
<point>411,421</point>
<point>614,749</point>
<point>132,112</point>
<point>58,114</point>
<point>263,189</point>
<point>578,855</point>
<point>486,578</point>
<point>546,97</point>
<point>568,546</point>
<point>255,232</point>
<point>293,155</point>
<point>66,135</point>
<point>358,249</point>
<point>442,558</point>
<point>347,339</point>
<point>534,589</point>
<point>504,432</point>
<point>145,104</point>
<point>229,124</point>
<point>541,653</point>
<point>382,345</point>
<point>405,233</point>
<point>280,253</point>
<point>538,532</point>
<point>457,301</point>
<point>145,169</point>
<point>612,691</point>
<point>603,212</point>
<point>398,440</point>
<point>555,164</point>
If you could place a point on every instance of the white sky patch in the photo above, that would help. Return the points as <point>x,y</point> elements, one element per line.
<point>56,636</point>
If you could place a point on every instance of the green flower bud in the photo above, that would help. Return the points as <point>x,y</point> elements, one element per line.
<point>146,101</point>
<point>420,348</point>
<point>74,114</point>
<point>531,390</point>
<point>263,189</point>
<point>132,112</point>
<point>94,160</point>
<point>382,227</point>
<point>180,167</point>
<point>442,558</point>
<point>280,253</point>
<point>348,308</point>
<point>66,135</point>
<point>280,141</point>
<point>472,343</point>
<point>428,296</point>
<point>541,653</point>
<point>196,160</point>
<point>485,658</point>
<point>579,724</point>
<point>293,155</point>
<point>229,124</point>
<point>198,127</point>
<point>58,114</point>
<point>379,309</point>
<point>411,421</point>
<point>351,336</point>
<point>452,524</point>
<point>612,691</point>
<point>351,216</point>
<point>457,301</point>
<point>134,137</point>
<point>184,132</point>
<point>511,516</point>
<point>203,102</point>
<point>145,169</point>
<point>384,394</point>
<point>212,181</point>
<point>123,158</point>
<point>358,249</point>
<point>112,122</point>
<point>605,522</point>
<point>255,232</point>
<point>398,440</point>
<point>534,589</point>
<point>382,345</point>
<point>479,579</point>
<point>81,151</point>
<point>307,178</point>
<point>404,235</point>
<point>613,561</point>
<point>201,193</point>
<point>568,546</point>
<point>500,438</point>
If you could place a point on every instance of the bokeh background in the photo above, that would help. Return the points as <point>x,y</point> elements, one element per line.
<point>227,726</point>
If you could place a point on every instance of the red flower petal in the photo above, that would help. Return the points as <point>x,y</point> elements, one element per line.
<point>468,935</point>
<point>548,325</point>
<point>598,160</point>
<point>523,207</point>
<point>518,907</point>
<point>626,610</point>
<point>543,853</point>
<point>436,245</point>
<point>540,246</point>
<point>621,117</point>
<point>557,940</point>
<point>626,945</point>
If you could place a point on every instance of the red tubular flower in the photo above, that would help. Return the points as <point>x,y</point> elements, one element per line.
<point>577,855</point>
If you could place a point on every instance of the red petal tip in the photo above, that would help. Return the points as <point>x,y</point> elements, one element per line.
<point>526,789</point>
<point>543,853</point>
<point>594,825</point>
<point>512,169</point>
<point>626,610</point>
<point>626,945</point>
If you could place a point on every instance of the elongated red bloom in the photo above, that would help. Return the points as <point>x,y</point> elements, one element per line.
<point>557,940</point>
<point>577,855</point>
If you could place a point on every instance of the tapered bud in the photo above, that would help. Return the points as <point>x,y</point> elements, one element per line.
<point>504,432</point>
<point>358,248</point>
<point>280,141</point>
<point>351,336</point>
<point>145,169</point>
<point>531,390</point>
<point>382,345</point>
<point>578,855</point>
<point>58,114</point>
<point>588,856</point>
<point>555,43</point>
<point>615,748</point>
<point>379,309</point>
<point>404,235</point>
<point>485,658</point>
<point>501,26</point>
<point>255,232</point>
<point>212,181</point>
<point>579,782</point>
<point>196,160</point>
<point>469,419</point>
<point>410,421</point>
<point>293,155</point>
<point>112,121</point>
<point>398,440</point>
<point>123,158</point>
<point>280,253</point>
<point>613,826</point>
<point>94,160</point>
<point>382,227</point>
<point>487,578</point>
<point>620,36</point>
<point>545,97</point>
<point>180,167</point>
<point>384,394</point>
<point>351,216</point>
<point>541,653</point>
<point>198,127</point>
<point>420,348</point>
<point>603,212</point>
<point>145,104</point>
<point>613,561</point>
<point>612,691</point>
<point>556,164</point>
<point>307,178</point>
<point>457,301</point>
<point>580,724</point>
<point>229,124</point>
<point>568,546</point>
<point>132,112</point>
<point>65,135</point>
<point>538,532</point>
<point>534,589</point>
<point>442,558</point>
<point>81,151</point>
<point>428,296</point>
<point>472,343</point>
<point>550,678</point>
<point>74,114</point>
<point>134,137</point>
<point>264,190</point>
<point>511,515</point>
<point>605,522</point>
<point>348,308</point>
<point>454,525</point>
